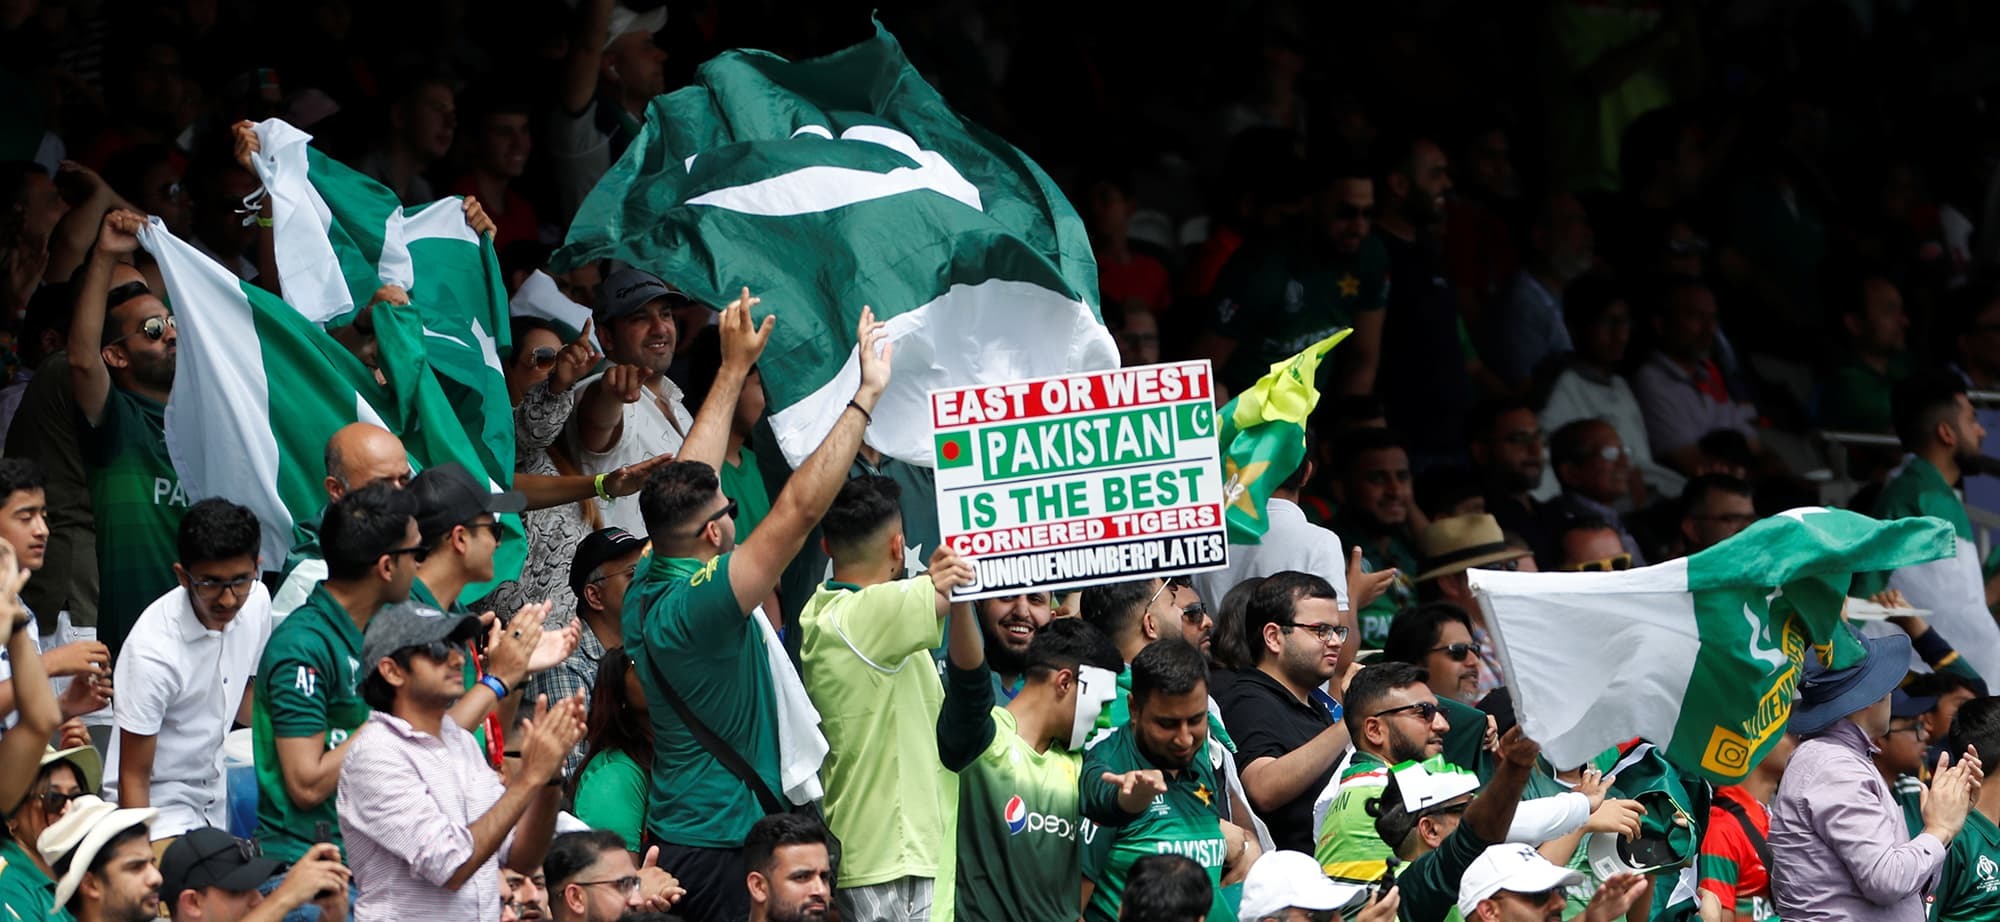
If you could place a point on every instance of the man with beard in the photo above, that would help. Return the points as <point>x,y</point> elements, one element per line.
<point>1373,487</point>
<point>1149,789</point>
<point>102,863</point>
<point>1393,718</point>
<point>632,411</point>
<point>1289,735</point>
<point>790,872</point>
<point>1505,442</point>
<point>1936,425</point>
<point>121,366</point>
<point>1009,624</point>
<point>1426,378</point>
<point>1275,298</point>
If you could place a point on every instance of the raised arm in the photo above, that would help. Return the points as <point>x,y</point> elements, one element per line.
<point>22,747</point>
<point>1492,812</point>
<point>742,343</point>
<point>759,561</point>
<point>600,412</point>
<point>244,136</point>
<point>89,377</point>
<point>546,743</point>
<point>69,243</point>
<point>586,51</point>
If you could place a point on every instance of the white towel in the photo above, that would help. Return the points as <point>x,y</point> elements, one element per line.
<point>539,297</point>
<point>801,747</point>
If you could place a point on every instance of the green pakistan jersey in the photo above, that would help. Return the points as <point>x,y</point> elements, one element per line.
<point>1276,297</point>
<point>1347,847</point>
<point>308,683</point>
<point>1017,811</point>
<point>137,499</point>
<point>1186,821</point>
<point>1969,888</point>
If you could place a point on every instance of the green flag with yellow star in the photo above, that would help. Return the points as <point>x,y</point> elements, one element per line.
<point>1264,437</point>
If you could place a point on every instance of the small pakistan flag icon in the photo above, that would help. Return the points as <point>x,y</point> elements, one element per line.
<point>954,449</point>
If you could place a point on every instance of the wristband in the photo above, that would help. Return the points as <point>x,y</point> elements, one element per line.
<point>493,682</point>
<point>263,221</point>
<point>864,413</point>
<point>598,485</point>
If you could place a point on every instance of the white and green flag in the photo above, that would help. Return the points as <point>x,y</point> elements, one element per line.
<point>829,184</point>
<point>258,389</point>
<point>1702,655</point>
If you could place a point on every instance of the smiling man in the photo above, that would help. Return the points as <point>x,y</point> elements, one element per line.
<point>632,412</point>
<point>1288,732</point>
<point>1009,624</point>
<point>186,679</point>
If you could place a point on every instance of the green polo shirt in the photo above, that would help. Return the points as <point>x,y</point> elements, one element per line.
<point>137,499</point>
<point>683,625</point>
<point>26,895</point>
<point>1347,846</point>
<point>1186,820</point>
<point>308,685</point>
<point>1969,888</point>
<point>1017,810</point>
<point>1278,298</point>
<point>1856,396</point>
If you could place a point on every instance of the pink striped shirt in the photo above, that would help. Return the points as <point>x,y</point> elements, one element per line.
<point>407,802</point>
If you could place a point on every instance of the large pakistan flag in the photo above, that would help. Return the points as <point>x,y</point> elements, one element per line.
<point>829,184</point>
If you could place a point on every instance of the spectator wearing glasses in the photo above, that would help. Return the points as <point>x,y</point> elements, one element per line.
<point>1137,613</point>
<point>1393,717</point>
<point>207,875</point>
<point>1715,507</point>
<point>1288,731</point>
<point>1451,547</point>
<point>27,883</point>
<point>1438,637</point>
<point>590,877</point>
<point>1597,479</point>
<point>184,684</point>
<point>1899,754</point>
<point>1588,544</point>
<point>121,368</point>
<point>598,576</point>
<point>435,849</point>
<point>306,701</point>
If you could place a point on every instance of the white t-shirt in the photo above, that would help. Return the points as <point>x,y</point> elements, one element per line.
<point>647,432</point>
<point>182,684</point>
<point>1292,543</point>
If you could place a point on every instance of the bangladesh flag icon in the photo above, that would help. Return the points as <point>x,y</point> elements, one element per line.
<point>954,449</point>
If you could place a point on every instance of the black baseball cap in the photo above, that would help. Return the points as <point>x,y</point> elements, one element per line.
<point>598,548</point>
<point>448,497</point>
<point>210,857</point>
<point>628,290</point>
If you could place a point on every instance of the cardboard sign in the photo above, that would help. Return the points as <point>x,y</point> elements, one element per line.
<point>1081,479</point>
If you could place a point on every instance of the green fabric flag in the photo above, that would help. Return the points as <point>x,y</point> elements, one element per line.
<point>1264,437</point>
<point>258,389</point>
<point>1700,655</point>
<point>829,184</point>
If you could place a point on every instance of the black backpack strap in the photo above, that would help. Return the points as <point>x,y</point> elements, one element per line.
<point>722,751</point>
<point>1757,842</point>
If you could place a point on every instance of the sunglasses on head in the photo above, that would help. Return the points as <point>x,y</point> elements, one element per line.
<point>155,329</point>
<point>1606,565</point>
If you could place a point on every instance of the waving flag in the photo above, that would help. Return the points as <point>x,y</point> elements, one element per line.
<point>1700,655</point>
<point>258,389</point>
<point>1264,437</point>
<point>843,181</point>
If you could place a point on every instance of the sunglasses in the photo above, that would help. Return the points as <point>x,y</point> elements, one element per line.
<point>1606,565</point>
<point>244,850</point>
<point>627,573</point>
<point>155,329</point>
<point>1324,633</point>
<point>1194,614</point>
<point>728,510</point>
<point>213,588</point>
<point>436,651</point>
<point>1540,897</point>
<point>543,357</point>
<point>1459,652</point>
<point>1425,710</point>
<point>416,549</point>
<point>54,802</point>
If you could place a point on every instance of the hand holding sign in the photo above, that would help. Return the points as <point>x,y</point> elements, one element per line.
<point>948,572</point>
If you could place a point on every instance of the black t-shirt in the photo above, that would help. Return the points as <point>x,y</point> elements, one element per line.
<point>1266,721</point>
